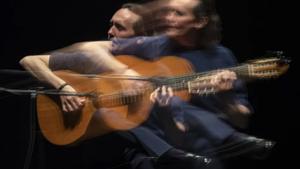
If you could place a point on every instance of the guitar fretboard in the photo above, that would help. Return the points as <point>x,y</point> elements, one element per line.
<point>178,83</point>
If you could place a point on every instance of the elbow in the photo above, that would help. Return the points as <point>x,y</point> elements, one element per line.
<point>25,61</point>
<point>32,61</point>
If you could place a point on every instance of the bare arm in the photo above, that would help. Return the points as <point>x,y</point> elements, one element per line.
<point>97,53</point>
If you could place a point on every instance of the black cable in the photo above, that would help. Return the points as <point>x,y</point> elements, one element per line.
<point>32,131</point>
<point>48,92</point>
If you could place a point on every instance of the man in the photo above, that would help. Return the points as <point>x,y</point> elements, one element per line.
<point>125,23</point>
<point>193,33</point>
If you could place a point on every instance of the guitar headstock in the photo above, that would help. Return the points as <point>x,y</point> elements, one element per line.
<point>267,67</point>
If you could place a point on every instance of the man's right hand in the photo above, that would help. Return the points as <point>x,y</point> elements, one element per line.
<point>71,103</point>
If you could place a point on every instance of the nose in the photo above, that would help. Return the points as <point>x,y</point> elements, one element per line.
<point>111,32</point>
<point>169,16</point>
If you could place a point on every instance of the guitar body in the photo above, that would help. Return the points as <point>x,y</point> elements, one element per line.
<point>98,118</point>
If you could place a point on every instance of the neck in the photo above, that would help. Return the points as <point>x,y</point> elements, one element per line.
<point>187,41</point>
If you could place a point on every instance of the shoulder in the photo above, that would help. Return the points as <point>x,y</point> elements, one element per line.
<point>220,49</point>
<point>137,41</point>
<point>226,54</point>
<point>141,46</point>
<point>92,45</point>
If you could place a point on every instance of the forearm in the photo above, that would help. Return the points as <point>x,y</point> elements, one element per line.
<point>38,66</point>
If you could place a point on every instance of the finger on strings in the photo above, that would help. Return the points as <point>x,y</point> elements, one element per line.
<point>154,94</point>
<point>164,90</point>
<point>71,102</point>
<point>68,107</point>
<point>170,91</point>
<point>152,98</point>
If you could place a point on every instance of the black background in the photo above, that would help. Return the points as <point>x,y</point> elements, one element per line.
<point>250,27</point>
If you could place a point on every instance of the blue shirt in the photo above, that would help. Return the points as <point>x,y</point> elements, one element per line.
<point>215,57</point>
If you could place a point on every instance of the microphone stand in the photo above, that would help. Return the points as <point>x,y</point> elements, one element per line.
<point>32,115</point>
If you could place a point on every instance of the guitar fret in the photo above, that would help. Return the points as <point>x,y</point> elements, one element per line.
<point>121,98</point>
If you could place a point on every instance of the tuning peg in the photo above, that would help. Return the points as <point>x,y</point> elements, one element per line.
<point>286,60</point>
<point>276,53</point>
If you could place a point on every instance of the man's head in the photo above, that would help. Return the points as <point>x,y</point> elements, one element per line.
<point>193,21</point>
<point>178,17</point>
<point>126,22</point>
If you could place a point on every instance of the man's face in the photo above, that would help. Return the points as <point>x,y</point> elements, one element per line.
<point>122,24</point>
<point>178,17</point>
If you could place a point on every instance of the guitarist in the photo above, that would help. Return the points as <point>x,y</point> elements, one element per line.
<point>125,23</point>
<point>193,33</point>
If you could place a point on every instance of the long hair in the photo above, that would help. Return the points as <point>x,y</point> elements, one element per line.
<point>211,33</point>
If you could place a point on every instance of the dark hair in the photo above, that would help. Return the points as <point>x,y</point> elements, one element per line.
<point>211,33</point>
<point>138,26</point>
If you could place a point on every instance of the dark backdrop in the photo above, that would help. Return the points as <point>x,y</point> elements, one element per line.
<point>250,27</point>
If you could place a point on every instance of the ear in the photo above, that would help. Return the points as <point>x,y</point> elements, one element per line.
<point>201,23</point>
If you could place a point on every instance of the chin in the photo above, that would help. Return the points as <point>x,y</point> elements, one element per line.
<point>172,33</point>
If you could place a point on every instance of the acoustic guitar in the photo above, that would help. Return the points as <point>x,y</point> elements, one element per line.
<point>110,106</point>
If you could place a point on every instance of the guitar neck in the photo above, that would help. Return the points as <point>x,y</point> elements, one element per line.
<point>124,97</point>
<point>181,82</point>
